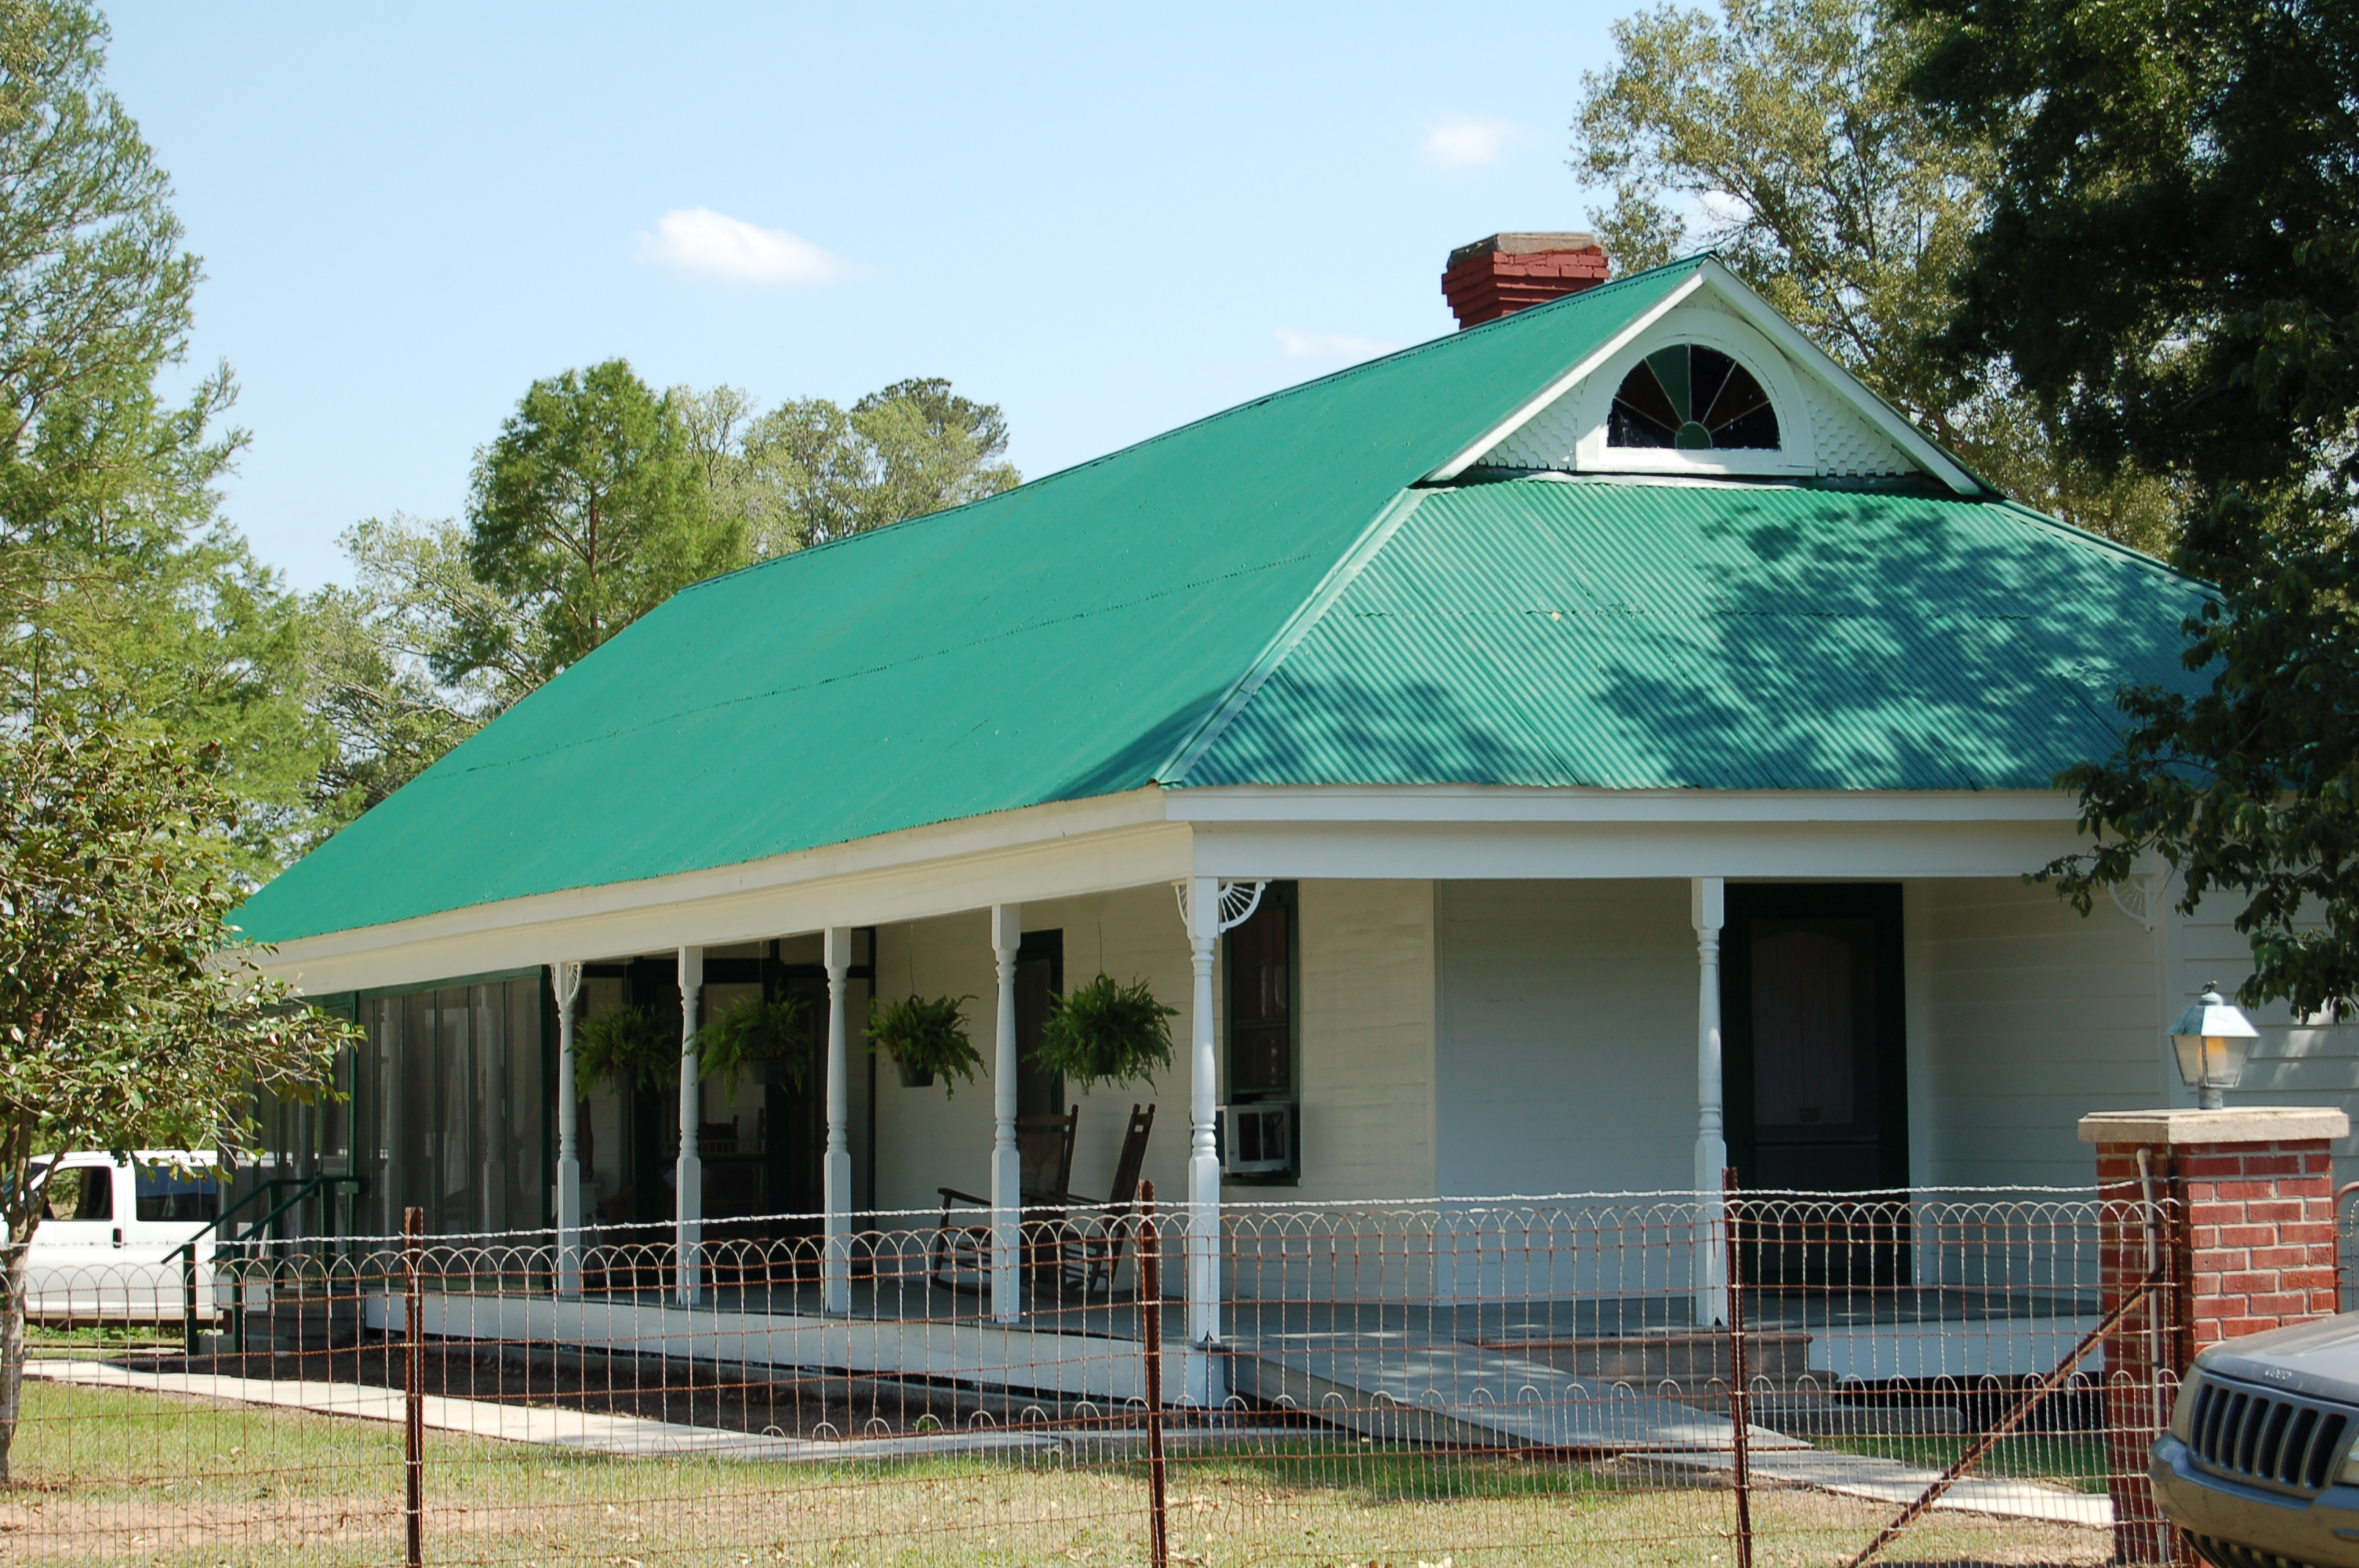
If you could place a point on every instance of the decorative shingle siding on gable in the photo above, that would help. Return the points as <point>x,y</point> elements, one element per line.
<point>1847,443</point>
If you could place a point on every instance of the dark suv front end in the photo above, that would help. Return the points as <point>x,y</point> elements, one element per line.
<point>2257,1467</point>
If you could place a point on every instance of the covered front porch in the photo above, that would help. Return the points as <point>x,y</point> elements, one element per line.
<point>1433,1041</point>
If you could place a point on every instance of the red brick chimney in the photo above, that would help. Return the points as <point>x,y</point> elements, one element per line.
<point>1507,273</point>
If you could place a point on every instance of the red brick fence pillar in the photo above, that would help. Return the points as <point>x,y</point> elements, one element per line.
<point>2242,1224</point>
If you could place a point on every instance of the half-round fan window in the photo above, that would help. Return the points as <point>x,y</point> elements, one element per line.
<point>1692,398</point>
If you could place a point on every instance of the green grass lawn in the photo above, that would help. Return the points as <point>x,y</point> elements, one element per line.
<point>113,1475</point>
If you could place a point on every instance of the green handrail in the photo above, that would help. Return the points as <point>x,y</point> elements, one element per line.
<point>187,1251</point>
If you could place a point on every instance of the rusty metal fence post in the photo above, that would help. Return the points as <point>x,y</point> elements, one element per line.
<point>413,1381</point>
<point>1740,1396</point>
<point>1151,1328</point>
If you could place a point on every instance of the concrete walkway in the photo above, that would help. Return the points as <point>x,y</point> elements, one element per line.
<point>1891,1481</point>
<point>1407,1387</point>
<point>631,1436</point>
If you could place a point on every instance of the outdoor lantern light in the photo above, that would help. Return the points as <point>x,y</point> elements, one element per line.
<point>2212,1037</point>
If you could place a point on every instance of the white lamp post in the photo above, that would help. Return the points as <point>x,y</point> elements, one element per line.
<point>2212,1038</point>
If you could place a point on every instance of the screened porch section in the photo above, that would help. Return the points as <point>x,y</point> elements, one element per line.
<point>451,1099</point>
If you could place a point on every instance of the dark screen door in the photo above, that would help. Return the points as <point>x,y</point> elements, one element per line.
<point>1814,1056</point>
<point>1816,1061</point>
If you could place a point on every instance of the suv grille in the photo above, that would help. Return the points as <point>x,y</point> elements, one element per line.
<point>2273,1439</point>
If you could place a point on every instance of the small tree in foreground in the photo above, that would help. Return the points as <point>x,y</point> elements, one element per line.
<point>126,1022</point>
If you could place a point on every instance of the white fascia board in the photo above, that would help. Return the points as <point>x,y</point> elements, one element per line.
<point>1576,851</point>
<point>1477,804</point>
<point>1566,382</point>
<point>1772,324</point>
<point>1059,851</point>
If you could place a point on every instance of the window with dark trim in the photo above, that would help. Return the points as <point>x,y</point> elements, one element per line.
<point>1263,963</point>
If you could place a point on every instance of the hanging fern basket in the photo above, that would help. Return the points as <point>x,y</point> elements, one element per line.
<point>771,1039</point>
<point>1107,1032</point>
<point>626,1045</point>
<point>925,1037</point>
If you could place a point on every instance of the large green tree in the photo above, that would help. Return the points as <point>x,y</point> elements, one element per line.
<point>588,511</point>
<point>411,659</point>
<point>1779,134</point>
<point>2168,260</point>
<point>123,590</point>
<point>811,471</point>
<point>123,1024</point>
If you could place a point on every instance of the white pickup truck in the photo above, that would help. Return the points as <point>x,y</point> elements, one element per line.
<point>108,1227</point>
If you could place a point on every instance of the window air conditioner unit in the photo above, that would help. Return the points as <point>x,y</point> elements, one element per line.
<point>1257,1139</point>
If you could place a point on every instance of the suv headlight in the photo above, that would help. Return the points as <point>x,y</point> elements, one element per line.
<point>2349,1474</point>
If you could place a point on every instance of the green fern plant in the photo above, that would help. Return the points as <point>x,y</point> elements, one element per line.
<point>925,1036</point>
<point>626,1045</point>
<point>752,1031</point>
<point>1106,1032</point>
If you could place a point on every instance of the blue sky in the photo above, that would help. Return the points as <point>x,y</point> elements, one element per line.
<point>1107,218</point>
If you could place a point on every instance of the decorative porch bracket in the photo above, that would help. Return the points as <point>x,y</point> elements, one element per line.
<point>565,981</point>
<point>1708,1268</point>
<point>1208,907</point>
<point>1007,1163</point>
<point>687,1175</point>
<point>835,1171</point>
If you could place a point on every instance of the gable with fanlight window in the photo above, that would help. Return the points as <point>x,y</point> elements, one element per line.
<point>1702,391</point>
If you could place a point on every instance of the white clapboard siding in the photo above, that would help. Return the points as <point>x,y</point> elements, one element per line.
<point>2034,1016</point>
<point>1567,1050</point>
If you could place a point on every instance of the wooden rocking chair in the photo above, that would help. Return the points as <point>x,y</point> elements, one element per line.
<point>1044,1152</point>
<point>1091,1235</point>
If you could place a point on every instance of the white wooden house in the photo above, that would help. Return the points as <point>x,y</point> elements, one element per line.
<point>1627,734</point>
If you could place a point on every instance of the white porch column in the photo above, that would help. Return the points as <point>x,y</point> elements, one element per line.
<point>835,1171</point>
<point>1708,909</point>
<point>565,980</point>
<point>1006,1165</point>
<point>1202,909</point>
<point>688,1176</point>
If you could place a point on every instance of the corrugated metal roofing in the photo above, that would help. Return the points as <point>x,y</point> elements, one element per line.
<point>1105,628</point>
<point>1057,641</point>
<point>1635,636</point>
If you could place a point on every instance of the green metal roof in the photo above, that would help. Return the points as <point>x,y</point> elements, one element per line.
<point>1629,635</point>
<point>1262,596</point>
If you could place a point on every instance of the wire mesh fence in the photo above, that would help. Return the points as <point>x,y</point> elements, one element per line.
<point>1669,1378</point>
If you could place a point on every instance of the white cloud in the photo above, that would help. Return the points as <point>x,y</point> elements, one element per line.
<point>699,241</point>
<point>1467,141</point>
<point>1297,345</point>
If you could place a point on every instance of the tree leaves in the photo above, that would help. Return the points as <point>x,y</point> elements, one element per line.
<point>1779,134</point>
<point>128,1023</point>
<point>2167,260</point>
<point>809,471</point>
<point>588,511</point>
